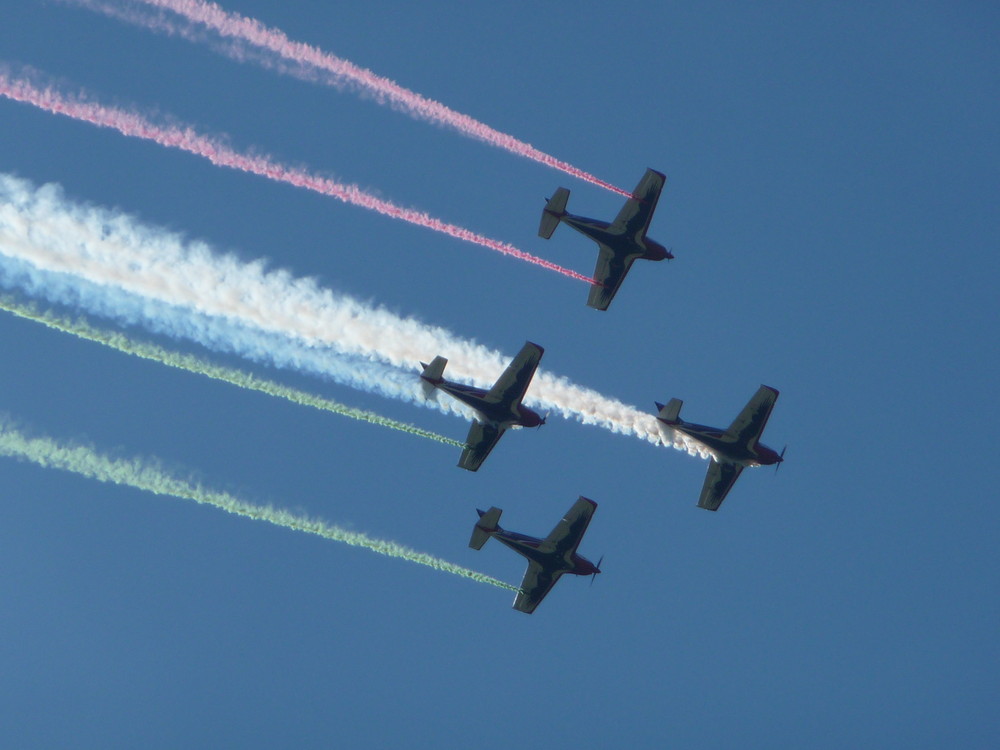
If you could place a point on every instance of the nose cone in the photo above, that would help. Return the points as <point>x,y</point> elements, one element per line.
<point>770,457</point>
<point>530,418</point>
<point>656,251</point>
<point>595,569</point>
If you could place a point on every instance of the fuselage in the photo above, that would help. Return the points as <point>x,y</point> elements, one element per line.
<point>623,244</point>
<point>724,450</point>
<point>498,414</point>
<point>527,546</point>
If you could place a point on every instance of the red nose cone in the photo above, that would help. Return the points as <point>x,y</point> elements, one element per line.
<point>530,419</point>
<point>656,251</point>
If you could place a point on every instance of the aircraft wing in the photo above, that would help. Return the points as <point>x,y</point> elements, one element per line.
<point>748,426</point>
<point>510,388</point>
<point>720,479</point>
<point>481,439</point>
<point>637,212</point>
<point>610,272</point>
<point>566,536</point>
<point>537,583</point>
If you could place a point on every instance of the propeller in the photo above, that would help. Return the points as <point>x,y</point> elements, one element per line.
<point>543,420</point>
<point>781,457</point>
<point>594,574</point>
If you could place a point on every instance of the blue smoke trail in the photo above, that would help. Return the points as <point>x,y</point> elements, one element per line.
<point>216,333</point>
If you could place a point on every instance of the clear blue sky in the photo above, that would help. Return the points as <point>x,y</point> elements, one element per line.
<point>832,202</point>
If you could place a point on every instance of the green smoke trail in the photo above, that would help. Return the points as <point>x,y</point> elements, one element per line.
<point>190,363</point>
<point>147,475</point>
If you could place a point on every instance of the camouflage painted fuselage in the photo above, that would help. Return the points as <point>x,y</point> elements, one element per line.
<point>498,414</point>
<point>551,562</point>
<point>625,244</point>
<point>724,450</point>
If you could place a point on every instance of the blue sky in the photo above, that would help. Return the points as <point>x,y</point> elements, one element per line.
<point>831,199</point>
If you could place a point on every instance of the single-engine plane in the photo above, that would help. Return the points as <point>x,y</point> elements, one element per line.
<point>732,449</point>
<point>497,409</point>
<point>620,242</point>
<point>548,558</point>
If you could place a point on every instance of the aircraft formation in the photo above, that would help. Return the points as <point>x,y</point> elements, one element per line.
<point>619,244</point>
<point>731,449</point>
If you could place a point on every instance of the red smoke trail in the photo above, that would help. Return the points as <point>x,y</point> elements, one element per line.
<point>257,34</point>
<point>186,139</point>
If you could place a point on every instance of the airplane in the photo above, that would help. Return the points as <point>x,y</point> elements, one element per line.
<point>496,409</point>
<point>620,242</point>
<point>732,449</point>
<point>548,558</point>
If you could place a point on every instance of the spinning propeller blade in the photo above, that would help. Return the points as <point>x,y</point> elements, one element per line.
<point>598,570</point>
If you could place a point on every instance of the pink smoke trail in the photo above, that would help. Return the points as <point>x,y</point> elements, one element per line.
<point>254,32</point>
<point>187,139</point>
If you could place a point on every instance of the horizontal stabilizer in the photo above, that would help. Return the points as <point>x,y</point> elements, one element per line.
<point>671,413</point>
<point>554,209</point>
<point>486,525</point>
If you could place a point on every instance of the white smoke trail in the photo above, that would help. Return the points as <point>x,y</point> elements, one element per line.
<point>219,334</point>
<point>122,343</point>
<point>39,226</point>
<point>144,474</point>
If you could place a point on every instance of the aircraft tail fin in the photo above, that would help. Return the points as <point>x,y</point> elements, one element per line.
<point>671,413</point>
<point>435,370</point>
<point>432,374</point>
<point>554,209</point>
<point>485,526</point>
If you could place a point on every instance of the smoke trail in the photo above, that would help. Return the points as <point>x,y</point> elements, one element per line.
<point>115,255</point>
<point>147,475</point>
<point>187,139</point>
<point>270,348</point>
<point>338,73</point>
<point>190,363</point>
<point>163,22</point>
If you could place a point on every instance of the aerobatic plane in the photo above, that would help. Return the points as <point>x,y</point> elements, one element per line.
<point>497,409</point>
<point>619,243</point>
<point>548,558</point>
<point>732,449</point>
